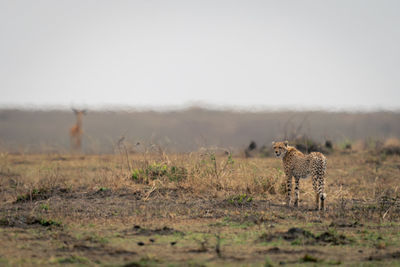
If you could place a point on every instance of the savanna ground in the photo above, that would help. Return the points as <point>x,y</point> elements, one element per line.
<point>200,209</point>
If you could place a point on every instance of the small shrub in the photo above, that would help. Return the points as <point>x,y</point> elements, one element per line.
<point>250,150</point>
<point>97,239</point>
<point>265,185</point>
<point>177,173</point>
<point>44,207</point>
<point>6,222</point>
<point>73,260</point>
<point>151,172</point>
<point>307,145</point>
<point>282,188</point>
<point>380,245</point>
<point>145,261</point>
<point>391,147</point>
<point>103,189</point>
<point>138,175</point>
<point>266,237</point>
<point>333,238</point>
<point>41,193</point>
<point>240,199</point>
<point>294,234</point>
<point>328,144</point>
<point>157,170</point>
<point>309,258</point>
<point>268,262</point>
<point>346,145</point>
<point>45,222</point>
<point>230,159</point>
<point>34,194</point>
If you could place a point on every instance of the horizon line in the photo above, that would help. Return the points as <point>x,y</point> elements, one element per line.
<point>193,105</point>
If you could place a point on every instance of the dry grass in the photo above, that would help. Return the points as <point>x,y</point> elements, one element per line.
<point>83,209</point>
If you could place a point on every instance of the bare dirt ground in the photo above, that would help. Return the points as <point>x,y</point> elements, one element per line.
<point>197,209</point>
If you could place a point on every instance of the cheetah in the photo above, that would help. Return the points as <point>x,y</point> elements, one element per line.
<point>298,165</point>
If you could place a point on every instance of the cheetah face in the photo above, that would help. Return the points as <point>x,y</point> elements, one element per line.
<point>280,148</point>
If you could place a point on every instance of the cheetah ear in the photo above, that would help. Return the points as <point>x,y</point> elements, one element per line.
<point>273,142</point>
<point>286,143</point>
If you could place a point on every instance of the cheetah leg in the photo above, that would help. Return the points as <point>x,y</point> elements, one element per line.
<point>315,187</point>
<point>296,191</point>
<point>322,195</point>
<point>288,189</point>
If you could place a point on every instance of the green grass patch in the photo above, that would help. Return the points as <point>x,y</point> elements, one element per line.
<point>240,199</point>
<point>44,207</point>
<point>144,262</point>
<point>309,258</point>
<point>73,260</point>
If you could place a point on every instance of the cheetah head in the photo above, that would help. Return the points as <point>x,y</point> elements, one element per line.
<point>280,148</point>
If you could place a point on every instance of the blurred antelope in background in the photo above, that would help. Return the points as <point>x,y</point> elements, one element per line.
<point>76,131</point>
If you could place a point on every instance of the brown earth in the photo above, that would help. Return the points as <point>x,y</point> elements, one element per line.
<point>221,210</point>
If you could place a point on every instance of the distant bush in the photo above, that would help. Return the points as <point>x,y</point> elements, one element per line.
<point>391,147</point>
<point>251,150</point>
<point>328,144</point>
<point>307,145</point>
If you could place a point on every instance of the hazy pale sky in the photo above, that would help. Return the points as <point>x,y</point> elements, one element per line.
<point>272,54</point>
